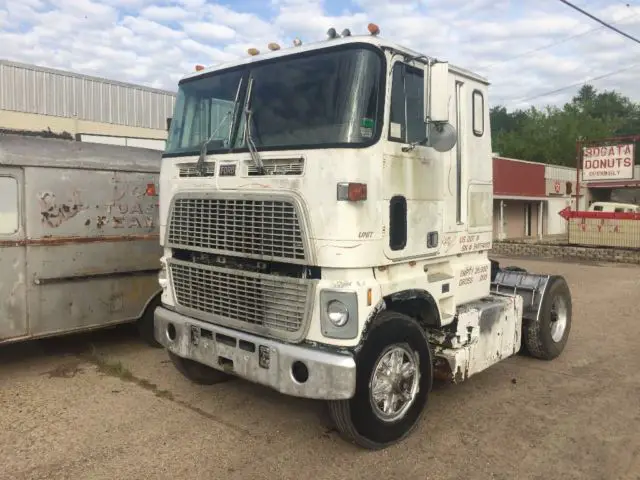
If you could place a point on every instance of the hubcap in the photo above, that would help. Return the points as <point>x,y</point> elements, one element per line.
<point>558,318</point>
<point>394,383</point>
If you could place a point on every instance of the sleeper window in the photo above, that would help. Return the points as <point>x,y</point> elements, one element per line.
<point>8,205</point>
<point>407,104</point>
<point>478,113</point>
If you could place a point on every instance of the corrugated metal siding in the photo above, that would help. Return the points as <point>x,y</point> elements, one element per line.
<point>555,172</point>
<point>32,89</point>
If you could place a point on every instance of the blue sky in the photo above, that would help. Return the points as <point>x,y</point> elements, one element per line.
<point>526,48</point>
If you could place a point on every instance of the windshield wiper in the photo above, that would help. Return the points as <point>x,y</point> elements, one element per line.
<point>248,138</point>
<point>203,148</point>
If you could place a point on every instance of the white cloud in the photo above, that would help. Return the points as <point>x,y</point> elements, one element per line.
<point>210,31</point>
<point>154,42</point>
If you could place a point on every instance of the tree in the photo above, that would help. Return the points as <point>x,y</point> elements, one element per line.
<point>549,135</point>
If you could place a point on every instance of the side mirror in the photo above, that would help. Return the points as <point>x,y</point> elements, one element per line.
<point>436,91</point>
<point>168,123</point>
<point>441,135</point>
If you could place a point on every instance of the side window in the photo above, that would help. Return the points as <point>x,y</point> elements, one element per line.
<point>407,104</point>
<point>8,206</point>
<point>478,113</point>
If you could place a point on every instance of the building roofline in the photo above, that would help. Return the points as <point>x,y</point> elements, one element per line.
<point>68,73</point>
<point>564,167</point>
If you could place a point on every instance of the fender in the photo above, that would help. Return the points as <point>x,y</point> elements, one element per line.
<point>530,286</point>
<point>148,302</point>
<point>396,301</point>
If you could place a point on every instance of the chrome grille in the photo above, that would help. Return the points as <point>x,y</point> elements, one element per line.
<point>279,167</point>
<point>191,169</point>
<point>262,229</point>
<point>247,300</point>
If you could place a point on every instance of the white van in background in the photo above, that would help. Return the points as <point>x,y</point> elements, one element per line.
<point>614,207</point>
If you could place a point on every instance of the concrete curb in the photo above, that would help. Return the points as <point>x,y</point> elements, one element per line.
<point>565,252</point>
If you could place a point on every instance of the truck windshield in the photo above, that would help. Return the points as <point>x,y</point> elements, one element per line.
<point>328,98</point>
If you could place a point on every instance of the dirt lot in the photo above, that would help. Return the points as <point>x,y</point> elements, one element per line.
<point>104,406</point>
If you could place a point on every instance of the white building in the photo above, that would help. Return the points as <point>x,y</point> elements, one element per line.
<point>86,108</point>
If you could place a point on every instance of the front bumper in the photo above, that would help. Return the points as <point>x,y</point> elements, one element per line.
<point>331,376</point>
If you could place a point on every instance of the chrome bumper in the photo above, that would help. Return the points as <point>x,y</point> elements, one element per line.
<point>331,376</point>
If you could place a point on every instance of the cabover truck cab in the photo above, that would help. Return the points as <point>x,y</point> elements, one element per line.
<point>78,237</point>
<point>326,218</point>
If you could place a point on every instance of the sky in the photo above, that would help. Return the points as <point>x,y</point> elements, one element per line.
<point>155,42</point>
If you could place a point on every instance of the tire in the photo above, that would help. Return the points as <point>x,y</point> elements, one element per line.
<point>197,372</point>
<point>357,419</point>
<point>145,323</point>
<point>547,338</point>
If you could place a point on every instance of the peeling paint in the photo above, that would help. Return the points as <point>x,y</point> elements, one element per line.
<point>54,214</point>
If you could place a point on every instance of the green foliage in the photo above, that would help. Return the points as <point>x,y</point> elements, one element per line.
<point>549,135</point>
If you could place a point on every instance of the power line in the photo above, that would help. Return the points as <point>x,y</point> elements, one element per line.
<point>549,45</point>
<point>577,84</point>
<point>608,25</point>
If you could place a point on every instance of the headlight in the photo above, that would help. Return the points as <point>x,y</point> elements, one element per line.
<point>338,313</point>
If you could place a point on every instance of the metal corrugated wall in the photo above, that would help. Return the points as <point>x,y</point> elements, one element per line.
<point>32,89</point>
<point>556,172</point>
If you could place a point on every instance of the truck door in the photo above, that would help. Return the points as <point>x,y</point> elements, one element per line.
<point>412,209</point>
<point>13,314</point>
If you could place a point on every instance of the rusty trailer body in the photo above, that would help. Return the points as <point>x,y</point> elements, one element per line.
<point>78,236</point>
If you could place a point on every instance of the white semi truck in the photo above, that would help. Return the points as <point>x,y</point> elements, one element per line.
<point>326,217</point>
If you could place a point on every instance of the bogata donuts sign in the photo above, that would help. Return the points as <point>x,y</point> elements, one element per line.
<point>611,162</point>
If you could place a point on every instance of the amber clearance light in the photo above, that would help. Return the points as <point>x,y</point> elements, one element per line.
<point>373,29</point>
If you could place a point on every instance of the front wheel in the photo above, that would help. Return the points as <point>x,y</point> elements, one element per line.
<point>394,377</point>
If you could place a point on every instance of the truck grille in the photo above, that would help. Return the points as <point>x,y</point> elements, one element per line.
<point>245,300</point>
<point>261,229</point>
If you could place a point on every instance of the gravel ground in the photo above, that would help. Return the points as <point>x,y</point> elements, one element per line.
<point>104,406</point>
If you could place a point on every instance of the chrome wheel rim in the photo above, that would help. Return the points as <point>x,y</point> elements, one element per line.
<point>393,386</point>
<point>559,315</point>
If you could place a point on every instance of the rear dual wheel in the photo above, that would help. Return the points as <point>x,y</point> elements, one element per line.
<point>394,378</point>
<point>547,338</point>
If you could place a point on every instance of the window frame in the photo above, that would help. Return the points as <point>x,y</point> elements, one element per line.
<point>247,68</point>
<point>477,93</point>
<point>18,204</point>
<point>420,74</point>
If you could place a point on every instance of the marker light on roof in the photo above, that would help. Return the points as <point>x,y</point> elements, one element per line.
<point>253,51</point>
<point>331,33</point>
<point>346,32</point>
<point>273,46</point>
<point>373,29</point>
<point>297,42</point>
<point>199,68</point>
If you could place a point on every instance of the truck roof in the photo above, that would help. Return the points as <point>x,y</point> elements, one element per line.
<point>369,39</point>
<point>30,151</point>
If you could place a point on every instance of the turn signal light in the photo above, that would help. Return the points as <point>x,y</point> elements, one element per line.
<point>199,68</point>
<point>352,192</point>
<point>151,190</point>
